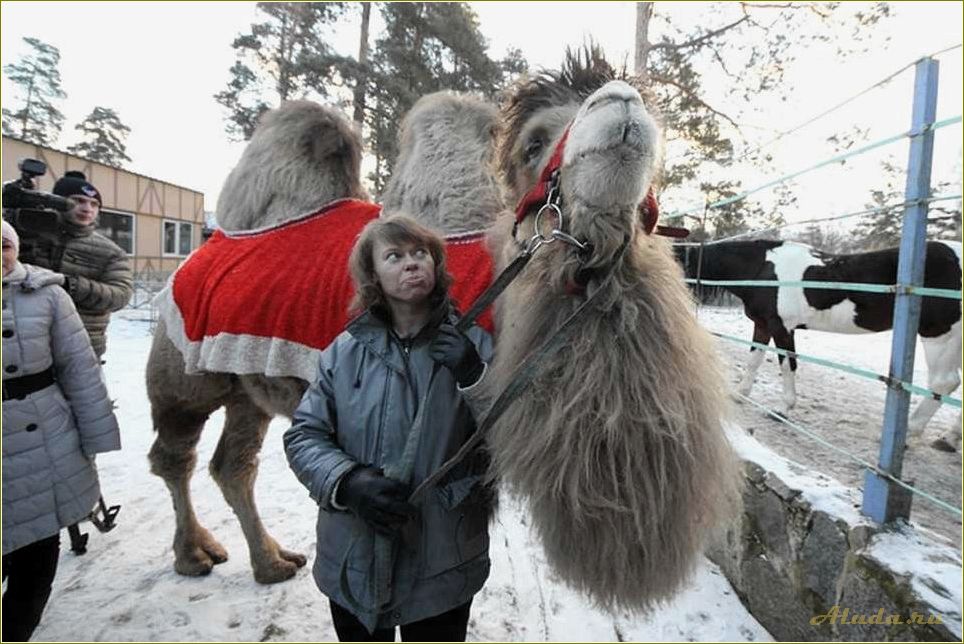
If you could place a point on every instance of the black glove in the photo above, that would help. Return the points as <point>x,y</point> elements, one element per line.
<point>452,349</point>
<point>380,501</point>
<point>66,284</point>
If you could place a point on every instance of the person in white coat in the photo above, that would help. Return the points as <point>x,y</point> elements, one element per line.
<point>56,418</point>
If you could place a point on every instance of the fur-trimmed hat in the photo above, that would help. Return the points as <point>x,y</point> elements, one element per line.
<point>11,235</point>
<point>75,183</point>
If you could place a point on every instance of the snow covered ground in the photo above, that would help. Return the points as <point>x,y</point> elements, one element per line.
<point>843,409</point>
<point>125,588</point>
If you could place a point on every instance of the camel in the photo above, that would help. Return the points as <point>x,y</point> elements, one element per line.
<point>617,446</point>
<point>302,157</point>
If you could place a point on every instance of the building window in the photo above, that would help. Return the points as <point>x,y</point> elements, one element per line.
<point>178,238</point>
<point>184,239</point>
<point>117,227</point>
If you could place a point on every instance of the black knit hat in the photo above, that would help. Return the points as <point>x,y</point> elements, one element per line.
<point>75,183</point>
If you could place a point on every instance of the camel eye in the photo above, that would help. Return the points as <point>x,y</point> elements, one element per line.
<point>533,147</point>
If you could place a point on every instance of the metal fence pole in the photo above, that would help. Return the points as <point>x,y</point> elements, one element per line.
<point>884,500</point>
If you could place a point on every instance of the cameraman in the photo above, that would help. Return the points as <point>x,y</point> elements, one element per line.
<point>98,274</point>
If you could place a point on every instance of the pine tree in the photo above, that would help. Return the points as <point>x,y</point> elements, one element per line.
<point>37,77</point>
<point>285,57</point>
<point>427,47</point>
<point>104,138</point>
<point>883,229</point>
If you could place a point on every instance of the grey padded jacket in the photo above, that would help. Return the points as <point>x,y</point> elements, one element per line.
<point>49,478</point>
<point>358,412</point>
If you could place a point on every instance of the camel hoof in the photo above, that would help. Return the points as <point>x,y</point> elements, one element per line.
<point>280,570</point>
<point>197,564</point>
<point>211,547</point>
<point>942,445</point>
<point>296,558</point>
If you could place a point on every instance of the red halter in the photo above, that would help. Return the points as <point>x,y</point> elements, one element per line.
<point>539,194</point>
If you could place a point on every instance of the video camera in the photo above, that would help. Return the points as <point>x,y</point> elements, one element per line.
<point>29,209</point>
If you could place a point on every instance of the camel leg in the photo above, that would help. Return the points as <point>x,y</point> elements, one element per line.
<point>761,336</point>
<point>173,457</point>
<point>235,468</point>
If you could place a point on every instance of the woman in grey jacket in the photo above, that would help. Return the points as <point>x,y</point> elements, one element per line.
<point>56,417</point>
<point>356,446</point>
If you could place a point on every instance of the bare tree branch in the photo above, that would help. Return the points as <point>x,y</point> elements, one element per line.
<point>719,59</point>
<point>698,41</point>
<point>814,7</point>
<point>694,97</point>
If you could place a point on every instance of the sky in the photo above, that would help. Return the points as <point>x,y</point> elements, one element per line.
<point>158,64</point>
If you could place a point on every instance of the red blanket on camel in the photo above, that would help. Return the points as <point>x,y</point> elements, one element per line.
<point>268,301</point>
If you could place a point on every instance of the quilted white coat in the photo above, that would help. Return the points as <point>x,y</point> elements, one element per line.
<point>50,437</point>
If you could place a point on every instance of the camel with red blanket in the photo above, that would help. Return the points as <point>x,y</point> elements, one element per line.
<point>245,318</point>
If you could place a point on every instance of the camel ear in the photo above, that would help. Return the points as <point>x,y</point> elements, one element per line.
<point>649,212</point>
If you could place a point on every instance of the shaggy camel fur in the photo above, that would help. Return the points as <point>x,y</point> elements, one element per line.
<point>618,444</point>
<point>454,135</point>
<point>301,157</point>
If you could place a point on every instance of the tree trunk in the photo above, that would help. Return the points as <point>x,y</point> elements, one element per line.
<point>26,107</point>
<point>644,12</point>
<point>284,64</point>
<point>362,79</point>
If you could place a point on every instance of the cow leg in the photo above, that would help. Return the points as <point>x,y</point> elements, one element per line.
<point>943,377</point>
<point>235,468</point>
<point>761,335</point>
<point>173,457</point>
<point>788,368</point>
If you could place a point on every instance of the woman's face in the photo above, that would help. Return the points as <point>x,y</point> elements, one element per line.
<point>9,256</point>
<point>406,272</point>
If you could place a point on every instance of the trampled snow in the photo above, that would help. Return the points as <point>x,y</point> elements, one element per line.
<point>125,587</point>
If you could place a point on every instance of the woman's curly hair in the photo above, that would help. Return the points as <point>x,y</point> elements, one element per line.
<point>397,229</point>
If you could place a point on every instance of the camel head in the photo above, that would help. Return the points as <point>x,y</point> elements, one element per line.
<point>302,156</point>
<point>597,132</point>
<point>445,174</point>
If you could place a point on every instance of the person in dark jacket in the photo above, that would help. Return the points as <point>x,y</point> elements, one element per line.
<point>389,406</point>
<point>56,418</point>
<point>97,273</point>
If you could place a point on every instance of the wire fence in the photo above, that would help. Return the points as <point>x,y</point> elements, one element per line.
<point>835,159</point>
<point>815,220</point>
<point>891,289</point>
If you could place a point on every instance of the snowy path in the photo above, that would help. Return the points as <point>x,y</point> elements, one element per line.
<point>844,410</point>
<point>125,587</point>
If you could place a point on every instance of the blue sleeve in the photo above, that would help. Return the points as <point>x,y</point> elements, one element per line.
<point>311,442</point>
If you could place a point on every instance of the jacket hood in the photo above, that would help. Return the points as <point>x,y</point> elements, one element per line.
<point>32,277</point>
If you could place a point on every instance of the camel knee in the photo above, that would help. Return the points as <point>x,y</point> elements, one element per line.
<point>230,474</point>
<point>235,461</point>
<point>171,463</point>
<point>173,452</point>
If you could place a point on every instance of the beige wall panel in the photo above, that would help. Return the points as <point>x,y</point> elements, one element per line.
<point>148,236</point>
<point>126,192</point>
<point>13,151</point>
<point>103,179</point>
<point>199,207</point>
